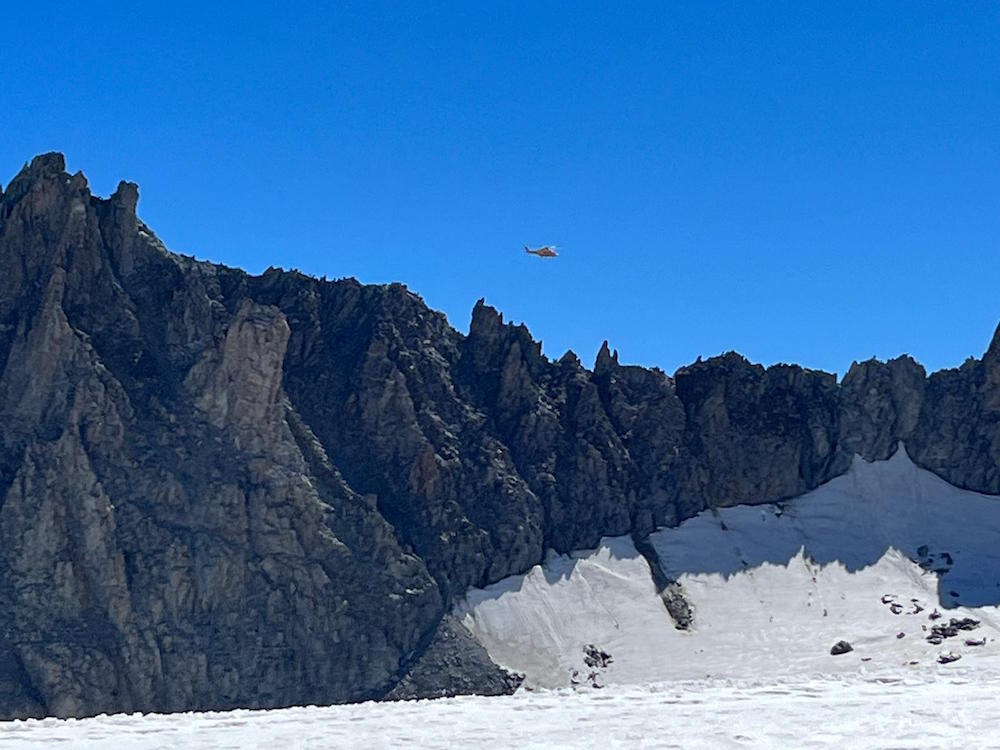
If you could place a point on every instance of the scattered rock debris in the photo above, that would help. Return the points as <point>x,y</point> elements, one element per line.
<point>898,608</point>
<point>597,660</point>
<point>595,657</point>
<point>940,631</point>
<point>951,629</point>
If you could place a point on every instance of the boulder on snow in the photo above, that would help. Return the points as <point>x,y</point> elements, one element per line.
<point>596,657</point>
<point>966,623</point>
<point>951,629</point>
<point>841,647</point>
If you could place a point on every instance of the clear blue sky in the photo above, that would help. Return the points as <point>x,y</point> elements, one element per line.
<point>808,182</point>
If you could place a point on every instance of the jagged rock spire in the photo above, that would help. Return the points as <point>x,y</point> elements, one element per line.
<point>606,360</point>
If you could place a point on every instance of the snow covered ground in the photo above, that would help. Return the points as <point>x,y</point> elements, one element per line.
<point>849,711</point>
<point>870,557</point>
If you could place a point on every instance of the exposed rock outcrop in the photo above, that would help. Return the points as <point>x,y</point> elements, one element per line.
<point>223,490</point>
<point>172,536</point>
<point>841,647</point>
<point>453,663</point>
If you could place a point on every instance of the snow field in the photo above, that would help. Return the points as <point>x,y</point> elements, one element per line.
<point>864,558</point>
<point>849,711</point>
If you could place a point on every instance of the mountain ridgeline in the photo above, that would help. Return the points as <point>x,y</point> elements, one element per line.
<point>221,490</point>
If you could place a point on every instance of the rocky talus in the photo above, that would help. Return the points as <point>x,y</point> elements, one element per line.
<point>222,490</point>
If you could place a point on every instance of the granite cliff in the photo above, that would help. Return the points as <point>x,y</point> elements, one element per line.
<point>222,490</point>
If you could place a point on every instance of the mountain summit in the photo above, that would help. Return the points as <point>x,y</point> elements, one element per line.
<point>221,490</point>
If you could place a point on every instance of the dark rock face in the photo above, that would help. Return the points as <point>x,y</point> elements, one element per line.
<point>172,534</point>
<point>454,663</point>
<point>220,490</point>
<point>754,433</point>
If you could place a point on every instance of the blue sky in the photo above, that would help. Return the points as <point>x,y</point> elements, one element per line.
<point>806,182</point>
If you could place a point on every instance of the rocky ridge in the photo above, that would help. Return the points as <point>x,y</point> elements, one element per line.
<point>222,490</point>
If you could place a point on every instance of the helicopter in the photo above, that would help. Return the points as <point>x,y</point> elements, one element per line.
<point>546,251</point>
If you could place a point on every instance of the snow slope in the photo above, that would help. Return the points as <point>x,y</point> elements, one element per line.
<point>864,558</point>
<point>538,623</point>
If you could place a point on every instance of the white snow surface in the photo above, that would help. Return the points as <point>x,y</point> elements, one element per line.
<point>772,588</point>
<point>849,711</point>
